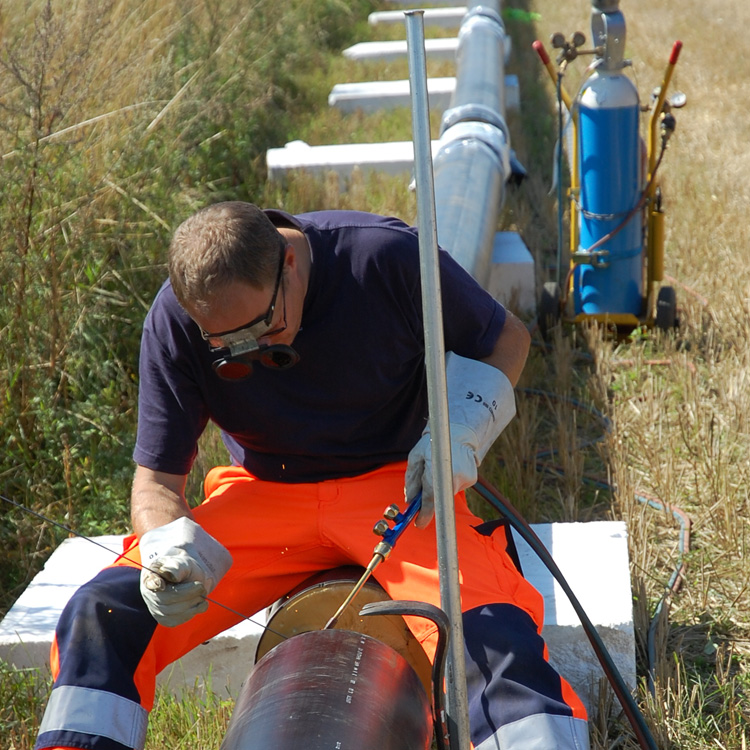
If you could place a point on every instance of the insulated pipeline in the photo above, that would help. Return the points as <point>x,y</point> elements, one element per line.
<point>472,162</point>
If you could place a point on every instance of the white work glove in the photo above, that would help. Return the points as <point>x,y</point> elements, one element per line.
<point>183,563</point>
<point>481,403</point>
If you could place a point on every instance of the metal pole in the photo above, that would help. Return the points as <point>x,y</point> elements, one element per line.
<point>445,518</point>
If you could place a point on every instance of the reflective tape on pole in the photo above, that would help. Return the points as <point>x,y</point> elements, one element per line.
<point>445,518</point>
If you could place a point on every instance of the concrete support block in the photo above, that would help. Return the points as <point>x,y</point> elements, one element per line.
<point>594,559</point>
<point>512,93</point>
<point>435,49</point>
<point>372,96</point>
<point>592,556</point>
<point>441,17</point>
<point>512,277</point>
<point>392,158</point>
<point>26,631</point>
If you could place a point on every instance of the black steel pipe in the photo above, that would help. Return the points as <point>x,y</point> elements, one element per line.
<point>331,690</point>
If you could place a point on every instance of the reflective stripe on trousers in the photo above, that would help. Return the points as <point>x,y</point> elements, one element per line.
<point>540,732</point>
<point>77,710</point>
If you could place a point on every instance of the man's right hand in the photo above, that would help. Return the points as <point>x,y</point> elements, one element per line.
<point>182,565</point>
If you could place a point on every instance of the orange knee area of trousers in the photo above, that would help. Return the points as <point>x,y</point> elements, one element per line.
<point>487,574</point>
<point>331,524</point>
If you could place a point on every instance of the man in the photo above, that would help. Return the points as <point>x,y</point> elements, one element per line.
<point>301,338</point>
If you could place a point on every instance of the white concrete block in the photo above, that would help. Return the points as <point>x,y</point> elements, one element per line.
<point>512,275</point>
<point>371,96</point>
<point>512,93</point>
<point>592,556</point>
<point>26,631</point>
<point>392,158</point>
<point>435,49</point>
<point>441,17</point>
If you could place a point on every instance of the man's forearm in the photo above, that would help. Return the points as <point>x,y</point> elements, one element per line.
<point>156,499</point>
<point>511,348</point>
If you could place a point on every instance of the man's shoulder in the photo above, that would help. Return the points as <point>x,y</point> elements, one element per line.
<point>165,309</point>
<point>340,219</point>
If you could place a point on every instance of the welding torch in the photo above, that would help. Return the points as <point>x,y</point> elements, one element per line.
<point>389,536</point>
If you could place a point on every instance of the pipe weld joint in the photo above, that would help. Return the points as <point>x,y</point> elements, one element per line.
<point>494,138</point>
<point>485,15</point>
<point>474,112</point>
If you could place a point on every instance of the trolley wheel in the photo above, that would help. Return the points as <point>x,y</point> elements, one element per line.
<point>666,309</point>
<point>549,308</point>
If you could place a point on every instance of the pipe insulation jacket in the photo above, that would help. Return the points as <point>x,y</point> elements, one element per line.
<point>472,162</point>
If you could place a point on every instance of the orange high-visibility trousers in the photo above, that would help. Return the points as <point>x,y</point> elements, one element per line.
<point>281,534</point>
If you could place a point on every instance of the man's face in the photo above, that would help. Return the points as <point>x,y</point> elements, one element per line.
<point>259,329</point>
<point>245,325</point>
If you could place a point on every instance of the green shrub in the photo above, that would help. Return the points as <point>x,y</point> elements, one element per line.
<point>119,118</point>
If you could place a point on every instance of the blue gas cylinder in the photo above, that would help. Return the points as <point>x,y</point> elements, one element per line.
<point>610,187</point>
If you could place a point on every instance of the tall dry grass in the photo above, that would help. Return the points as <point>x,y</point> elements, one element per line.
<point>679,403</point>
<point>117,119</point>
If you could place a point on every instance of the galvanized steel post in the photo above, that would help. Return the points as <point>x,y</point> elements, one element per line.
<point>445,519</point>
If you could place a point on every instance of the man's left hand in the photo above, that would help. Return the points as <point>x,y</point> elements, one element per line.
<point>481,403</point>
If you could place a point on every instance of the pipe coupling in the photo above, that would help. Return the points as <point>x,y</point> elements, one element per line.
<point>494,138</point>
<point>474,112</point>
<point>485,15</point>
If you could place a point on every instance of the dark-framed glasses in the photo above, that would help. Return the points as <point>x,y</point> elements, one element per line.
<point>257,327</point>
<point>242,342</point>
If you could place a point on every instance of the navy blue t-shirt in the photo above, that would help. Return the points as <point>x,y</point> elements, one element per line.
<point>356,400</point>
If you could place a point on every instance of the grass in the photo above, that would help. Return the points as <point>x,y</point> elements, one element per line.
<point>187,108</point>
<point>105,146</point>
